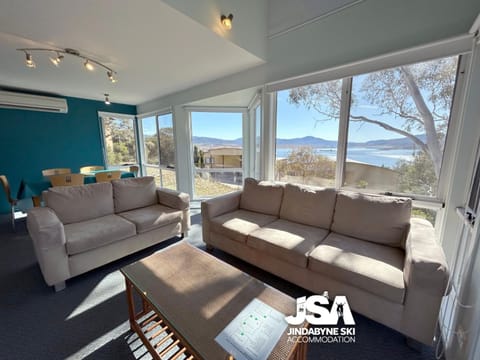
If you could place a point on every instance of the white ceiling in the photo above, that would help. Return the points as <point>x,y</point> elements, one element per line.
<point>155,49</point>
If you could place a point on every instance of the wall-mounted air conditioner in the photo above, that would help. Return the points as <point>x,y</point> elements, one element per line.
<point>13,100</point>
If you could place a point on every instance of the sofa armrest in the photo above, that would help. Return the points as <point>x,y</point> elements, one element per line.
<point>176,200</point>
<point>48,236</point>
<point>426,278</point>
<point>215,207</point>
<point>221,205</point>
<point>425,265</point>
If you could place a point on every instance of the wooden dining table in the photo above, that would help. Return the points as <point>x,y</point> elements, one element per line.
<point>33,188</point>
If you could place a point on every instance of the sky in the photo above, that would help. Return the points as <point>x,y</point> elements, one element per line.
<point>292,122</point>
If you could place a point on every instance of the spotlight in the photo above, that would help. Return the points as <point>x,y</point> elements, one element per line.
<point>56,60</point>
<point>227,21</point>
<point>111,77</point>
<point>107,100</point>
<point>88,65</point>
<point>29,61</point>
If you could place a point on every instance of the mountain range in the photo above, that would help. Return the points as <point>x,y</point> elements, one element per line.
<point>396,143</point>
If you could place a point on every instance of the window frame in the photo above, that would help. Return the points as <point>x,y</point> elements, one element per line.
<point>421,201</point>
<point>245,137</point>
<point>101,115</point>
<point>141,142</point>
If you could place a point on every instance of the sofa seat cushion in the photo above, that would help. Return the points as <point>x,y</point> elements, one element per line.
<point>236,225</point>
<point>92,234</point>
<point>286,240</point>
<point>152,217</point>
<point>375,268</point>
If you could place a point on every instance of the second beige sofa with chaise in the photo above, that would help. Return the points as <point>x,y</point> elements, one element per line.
<point>366,247</point>
<point>84,227</point>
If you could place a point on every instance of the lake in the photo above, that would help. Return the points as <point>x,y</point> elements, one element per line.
<point>373,156</point>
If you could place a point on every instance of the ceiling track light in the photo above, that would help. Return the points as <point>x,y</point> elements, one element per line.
<point>29,60</point>
<point>57,59</point>
<point>59,55</point>
<point>88,65</point>
<point>107,99</point>
<point>227,21</point>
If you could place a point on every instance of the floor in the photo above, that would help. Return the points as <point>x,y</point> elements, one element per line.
<point>88,320</point>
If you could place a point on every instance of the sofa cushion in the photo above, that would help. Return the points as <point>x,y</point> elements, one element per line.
<point>262,197</point>
<point>134,193</point>
<point>375,268</point>
<point>79,203</point>
<point>308,205</point>
<point>376,218</point>
<point>286,240</point>
<point>238,224</point>
<point>92,234</point>
<point>152,217</point>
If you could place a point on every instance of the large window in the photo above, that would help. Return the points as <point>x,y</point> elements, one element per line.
<point>398,125</point>
<point>217,139</point>
<point>119,140</point>
<point>307,133</point>
<point>394,123</point>
<point>159,149</point>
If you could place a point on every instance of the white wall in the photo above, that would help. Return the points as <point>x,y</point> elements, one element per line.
<point>369,29</point>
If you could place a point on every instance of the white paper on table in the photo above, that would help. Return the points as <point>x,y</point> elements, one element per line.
<point>253,333</point>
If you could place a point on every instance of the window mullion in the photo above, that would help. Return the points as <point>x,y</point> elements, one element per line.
<point>343,131</point>
<point>159,152</point>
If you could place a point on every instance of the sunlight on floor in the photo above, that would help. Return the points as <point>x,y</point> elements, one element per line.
<point>98,343</point>
<point>110,286</point>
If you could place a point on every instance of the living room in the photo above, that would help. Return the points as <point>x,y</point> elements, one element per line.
<point>178,68</point>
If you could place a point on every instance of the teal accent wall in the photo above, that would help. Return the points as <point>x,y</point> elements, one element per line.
<point>31,140</point>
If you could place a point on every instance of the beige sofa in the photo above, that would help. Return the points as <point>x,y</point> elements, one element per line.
<point>84,227</point>
<point>365,247</point>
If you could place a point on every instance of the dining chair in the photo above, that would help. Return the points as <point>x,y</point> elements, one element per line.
<point>12,201</point>
<point>134,169</point>
<point>89,169</point>
<point>48,172</point>
<point>107,176</point>
<point>67,179</point>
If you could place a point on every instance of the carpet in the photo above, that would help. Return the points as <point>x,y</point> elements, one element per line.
<point>89,319</point>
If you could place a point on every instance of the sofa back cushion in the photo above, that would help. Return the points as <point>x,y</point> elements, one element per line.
<point>262,197</point>
<point>79,203</point>
<point>134,193</point>
<point>377,218</point>
<point>308,205</point>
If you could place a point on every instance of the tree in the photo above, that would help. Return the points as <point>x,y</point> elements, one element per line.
<point>305,162</point>
<point>419,94</point>
<point>417,176</point>
<point>119,139</point>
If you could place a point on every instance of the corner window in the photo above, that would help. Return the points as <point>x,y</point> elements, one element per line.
<point>159,149</point>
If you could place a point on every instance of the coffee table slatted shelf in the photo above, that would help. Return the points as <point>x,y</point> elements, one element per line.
<point>161,340</point>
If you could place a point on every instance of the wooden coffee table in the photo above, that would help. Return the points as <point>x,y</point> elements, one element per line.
<point>188,297</point>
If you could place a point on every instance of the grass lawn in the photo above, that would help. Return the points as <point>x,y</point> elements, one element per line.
<point>203,187</point>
